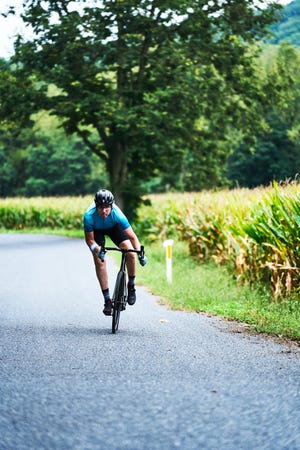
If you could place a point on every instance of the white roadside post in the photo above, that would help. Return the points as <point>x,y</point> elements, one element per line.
<point>168,245</point>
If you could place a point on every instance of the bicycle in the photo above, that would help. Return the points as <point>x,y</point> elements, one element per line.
<point>119,299</point>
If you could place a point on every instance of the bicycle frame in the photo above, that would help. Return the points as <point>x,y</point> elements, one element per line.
<point>120,294</point>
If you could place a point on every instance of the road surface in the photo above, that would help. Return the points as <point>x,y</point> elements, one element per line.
<point>167,380</point>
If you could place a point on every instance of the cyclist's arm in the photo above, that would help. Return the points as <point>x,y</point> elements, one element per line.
<point>133,238</point>
<point>90,240</point>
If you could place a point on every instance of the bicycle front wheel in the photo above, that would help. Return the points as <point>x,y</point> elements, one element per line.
<point>118,300</point>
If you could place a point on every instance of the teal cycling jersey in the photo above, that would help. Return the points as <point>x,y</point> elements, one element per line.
<point>93,221</point>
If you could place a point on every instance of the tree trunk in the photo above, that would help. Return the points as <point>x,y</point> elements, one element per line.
<point>117,169</point>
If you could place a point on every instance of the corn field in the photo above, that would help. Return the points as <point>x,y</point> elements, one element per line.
<point>256,231</point>
<point>40,212</point>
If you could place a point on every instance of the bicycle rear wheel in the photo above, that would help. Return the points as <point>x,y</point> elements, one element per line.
<point>118,300</point>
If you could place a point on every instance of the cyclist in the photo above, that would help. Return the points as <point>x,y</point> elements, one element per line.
<point>104,218</point>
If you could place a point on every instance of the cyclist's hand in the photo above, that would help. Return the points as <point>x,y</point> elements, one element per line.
<point>143,260</point>
<point>101,254</point>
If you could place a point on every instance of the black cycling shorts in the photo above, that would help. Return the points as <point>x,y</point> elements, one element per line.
<point>116,234</point>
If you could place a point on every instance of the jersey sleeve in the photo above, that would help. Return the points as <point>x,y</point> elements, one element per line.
<point>88,223</point>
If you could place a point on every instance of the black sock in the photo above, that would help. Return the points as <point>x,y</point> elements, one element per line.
<point>106,295</point>
<point>131,281</point>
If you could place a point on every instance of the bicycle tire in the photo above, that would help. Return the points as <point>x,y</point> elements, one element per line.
<point>118,300</point>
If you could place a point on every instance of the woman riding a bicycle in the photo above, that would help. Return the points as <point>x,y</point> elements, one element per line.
<point>104,218</point>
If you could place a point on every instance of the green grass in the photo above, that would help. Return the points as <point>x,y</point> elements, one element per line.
<point>55,231</point>
<point>207,288</point>
<point>210,289</point>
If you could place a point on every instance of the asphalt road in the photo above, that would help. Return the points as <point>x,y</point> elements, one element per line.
<point>167,380</point>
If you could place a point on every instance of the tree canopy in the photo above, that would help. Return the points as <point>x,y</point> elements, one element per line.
<point>148,85</point>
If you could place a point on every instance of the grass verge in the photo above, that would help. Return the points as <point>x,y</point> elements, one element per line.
<point>210,289</point>
<point>53,231</point>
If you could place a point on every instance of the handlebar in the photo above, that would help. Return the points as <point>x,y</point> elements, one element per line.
<point>104,249</point>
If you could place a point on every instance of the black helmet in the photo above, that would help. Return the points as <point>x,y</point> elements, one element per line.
<point>104,198</point>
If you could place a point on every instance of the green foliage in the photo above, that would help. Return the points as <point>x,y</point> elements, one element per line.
<point>153,84</point>
<point>13,144</point>
<point>56,170</point>
<point>256,232</point>
<point>288,27</point>
<point>63,212</point>
<point>19,98</point>
<point>275,157</point>
<point>273,231</point>
<point>159,216</point>
<point>42,162</point>
<point>8,175</point>
<point>276,154</point>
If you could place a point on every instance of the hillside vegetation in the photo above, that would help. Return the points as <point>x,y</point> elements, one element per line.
<point>288,27</point>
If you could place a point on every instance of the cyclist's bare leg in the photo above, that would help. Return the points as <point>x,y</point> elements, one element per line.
<point>130,258</point>
<point>130,264</point>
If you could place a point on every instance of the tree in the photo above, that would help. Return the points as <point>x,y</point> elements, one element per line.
<point>141,81</point>
<point>17,100</point>
<point>57,164</point>
<point>277,151</point>
<point>56,169</point>
<point>36,157</point>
